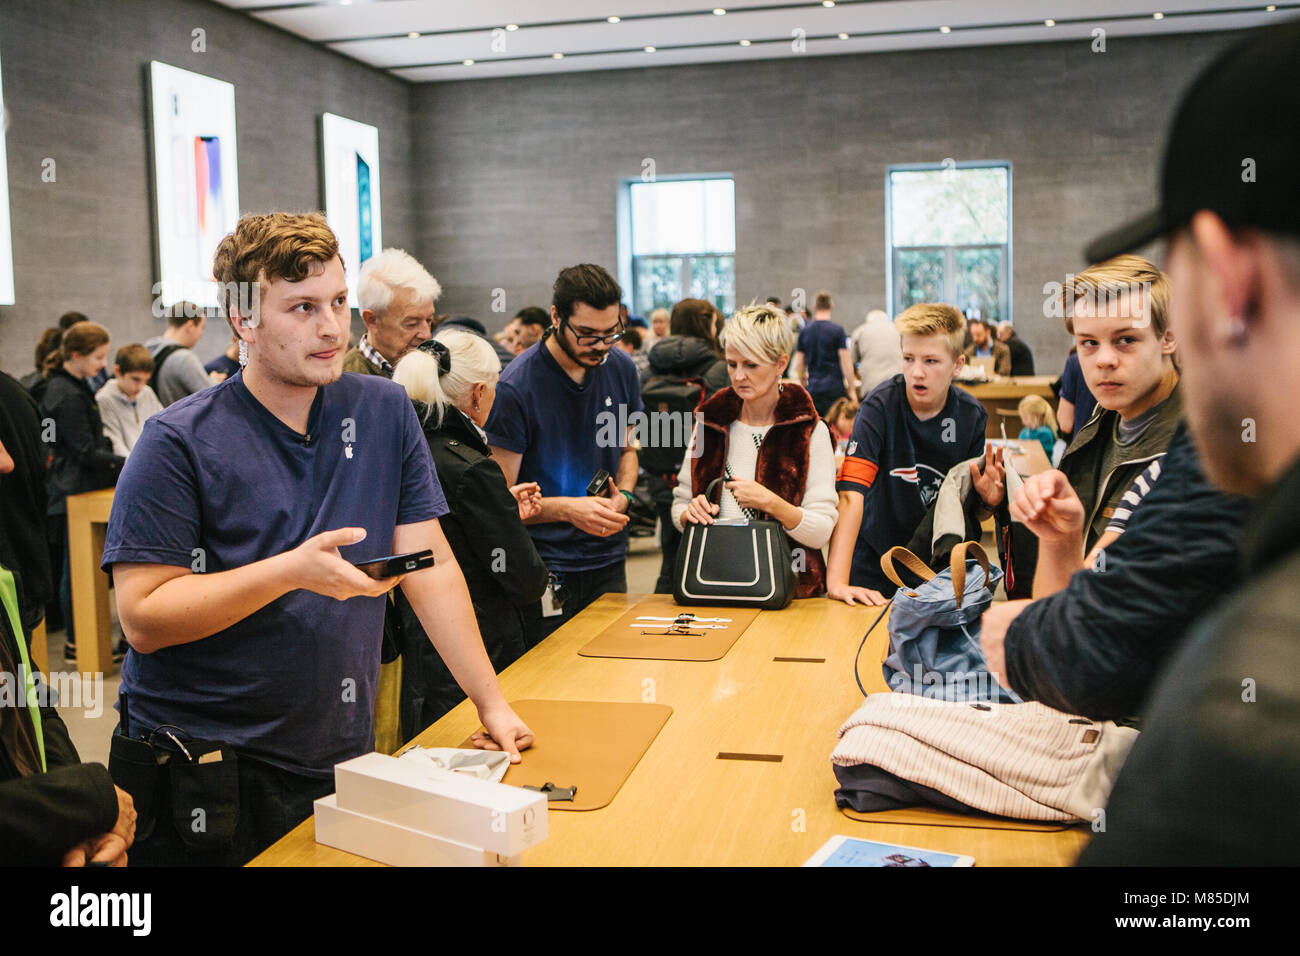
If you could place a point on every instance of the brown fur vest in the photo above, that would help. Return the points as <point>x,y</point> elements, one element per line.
<point>782,460</point>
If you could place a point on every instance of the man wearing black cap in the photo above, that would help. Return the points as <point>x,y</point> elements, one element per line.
<point>1215,776</point>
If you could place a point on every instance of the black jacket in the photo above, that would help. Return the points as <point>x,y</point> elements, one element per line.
<point>83,456</point>
<point>1214,779</point>
<point>23,547</point>
<point>1095,647</point>
<point>44,815</point>
<point>689,357</point>
<point>685,356</point>
<point>1022,359</point>
<point>496,554</point>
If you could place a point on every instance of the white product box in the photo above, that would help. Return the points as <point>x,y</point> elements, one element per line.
<point>392,844</point>
<point>500,818</point>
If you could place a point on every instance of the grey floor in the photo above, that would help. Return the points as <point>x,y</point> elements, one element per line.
<point>91,720</point>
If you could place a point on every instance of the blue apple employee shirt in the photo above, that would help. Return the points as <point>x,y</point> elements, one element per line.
<point>565,432</point>
<point>217,482</point>
<point>897,463</point>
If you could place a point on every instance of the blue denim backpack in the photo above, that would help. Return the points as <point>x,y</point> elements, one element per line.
<point>934,647</point>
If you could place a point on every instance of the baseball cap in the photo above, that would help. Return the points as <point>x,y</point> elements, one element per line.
<point>1233,148</point>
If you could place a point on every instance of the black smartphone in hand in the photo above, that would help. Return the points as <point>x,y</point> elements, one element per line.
<point>395,564</point>
<point>599,486</point>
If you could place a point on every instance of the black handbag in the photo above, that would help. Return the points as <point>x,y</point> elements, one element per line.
<point>740,563</point>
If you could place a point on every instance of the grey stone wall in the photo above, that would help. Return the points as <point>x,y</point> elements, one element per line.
<point>499,183</point>
<point>76,89</point>
<point>518,176</point>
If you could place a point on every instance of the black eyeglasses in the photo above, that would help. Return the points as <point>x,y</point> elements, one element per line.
<point>607,339</point>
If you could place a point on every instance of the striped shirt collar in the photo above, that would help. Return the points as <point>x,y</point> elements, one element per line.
<point>373,357</point>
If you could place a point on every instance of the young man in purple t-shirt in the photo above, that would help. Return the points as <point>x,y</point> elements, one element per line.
<point>233,537</point>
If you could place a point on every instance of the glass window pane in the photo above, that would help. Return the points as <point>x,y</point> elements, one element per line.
<point>979,282</point>
<point>683,216</point>
<point>713,278</point>
<point>942,207</point>
<point>918,277</point>
<point>657,283</point>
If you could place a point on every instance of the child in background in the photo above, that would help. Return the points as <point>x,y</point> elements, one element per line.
<point>839,419</point>
<point>1039,421</point>
<point>126,401</point>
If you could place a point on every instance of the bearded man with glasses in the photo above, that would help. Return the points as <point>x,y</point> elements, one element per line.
<point>551,424</point>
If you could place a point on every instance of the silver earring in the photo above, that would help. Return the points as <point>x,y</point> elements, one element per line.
<point>1236,330</point>
<point>243,353</point>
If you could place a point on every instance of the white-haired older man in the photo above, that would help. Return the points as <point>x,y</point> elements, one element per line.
<point>396,296</point>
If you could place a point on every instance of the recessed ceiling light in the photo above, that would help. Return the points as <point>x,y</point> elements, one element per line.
<point>1049,23</point>
<point>649,49</point>
<point>467,62</point>
<point>744,43</point>
<point>512,27</point>
<point>945,29</point>
<point>613,19</point>
<point>1270,8</point>
<point>828,3</point>
<point>719,12</point>
<point>844,36</point>
<point>413,35</point>
<point>557,56</point>
<point>1157,16</point>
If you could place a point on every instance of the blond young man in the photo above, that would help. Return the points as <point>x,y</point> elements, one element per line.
<point>396,295</point>
<point>233,538</point>
<point>909,432</point>
<point>1118,313</point>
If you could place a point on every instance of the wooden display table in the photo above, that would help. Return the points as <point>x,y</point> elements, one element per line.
<point>778,696</point>
<point>87,524</point>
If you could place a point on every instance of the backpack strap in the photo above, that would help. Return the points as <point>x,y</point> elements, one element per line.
<point>909,561</point>
<point>163,355</point>
<point>958,566</point>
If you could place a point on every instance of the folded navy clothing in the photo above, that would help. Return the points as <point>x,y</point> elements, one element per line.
<point>869,789</point>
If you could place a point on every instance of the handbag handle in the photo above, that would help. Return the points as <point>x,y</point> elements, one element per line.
<point>708,492</point>
<point>918,567</point>
<point>908,560</point>
<point>958,566</point>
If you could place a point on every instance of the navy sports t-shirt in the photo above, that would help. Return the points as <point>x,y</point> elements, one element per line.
<point>565,433</point>
<point>820,342</point>
<point>216,482</point>
<point>897,462</point>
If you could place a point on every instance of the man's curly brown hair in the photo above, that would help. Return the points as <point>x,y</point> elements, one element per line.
<point>263,248</point>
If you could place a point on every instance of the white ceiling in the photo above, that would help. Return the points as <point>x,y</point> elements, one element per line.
<point>430,40</point>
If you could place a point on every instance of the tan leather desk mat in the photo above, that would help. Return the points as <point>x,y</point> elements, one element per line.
<point>622,639</point>
<point>934,817</point>
<point>593,745</point>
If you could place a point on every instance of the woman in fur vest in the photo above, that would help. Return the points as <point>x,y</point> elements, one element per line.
<point>764,438</point>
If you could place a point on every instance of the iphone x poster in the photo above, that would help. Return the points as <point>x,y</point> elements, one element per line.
<point>350,159</point>
<point>196,179</point>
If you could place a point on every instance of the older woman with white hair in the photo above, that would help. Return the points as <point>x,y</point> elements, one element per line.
<point>452,381</point>
<point>764,438</point>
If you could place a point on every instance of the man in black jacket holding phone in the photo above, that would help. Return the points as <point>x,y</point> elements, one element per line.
<point>1215,776</point>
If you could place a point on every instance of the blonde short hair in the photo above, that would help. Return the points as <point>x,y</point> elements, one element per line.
<point>760,333</point>
<point>1108,280</point>
<point>934,318</point>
